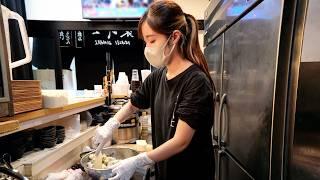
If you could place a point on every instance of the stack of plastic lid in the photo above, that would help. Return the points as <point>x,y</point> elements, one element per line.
<point>60,134</point>
<point>47,137</point>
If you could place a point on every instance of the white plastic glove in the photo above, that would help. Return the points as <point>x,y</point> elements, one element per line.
<point>58,175</point>
<point>75,175</point>
<point>125,169</point>
<point>104,133</point>
<point>69,174</point>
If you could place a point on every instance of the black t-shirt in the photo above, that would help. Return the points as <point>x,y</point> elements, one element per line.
<point>189,96</point>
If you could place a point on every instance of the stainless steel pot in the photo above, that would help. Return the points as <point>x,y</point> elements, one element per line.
<point>116,152</point>
<point>7,171</point>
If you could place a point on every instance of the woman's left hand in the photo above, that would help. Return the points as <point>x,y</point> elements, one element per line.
<point>125,169</point>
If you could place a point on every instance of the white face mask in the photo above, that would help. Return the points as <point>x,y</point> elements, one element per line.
<point>156,56</point>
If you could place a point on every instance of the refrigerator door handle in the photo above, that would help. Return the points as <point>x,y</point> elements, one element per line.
<point>215,125</point>
<point>219,118</point>
<point>218,167</point>
<point>217,98</point>
<point>224,121</point>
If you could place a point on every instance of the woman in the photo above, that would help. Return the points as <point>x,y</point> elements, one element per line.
<point>180,94</point>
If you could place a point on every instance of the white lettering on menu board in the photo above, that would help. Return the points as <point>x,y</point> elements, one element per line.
<point>127,33</point>
<point>79,36</point>
<point>121,42</point>
<point>68,38</point>
<point>100,42</point>
<point>61,35</point>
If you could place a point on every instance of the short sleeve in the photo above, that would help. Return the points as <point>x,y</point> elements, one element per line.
<point>196,103</point>
<point>141,98</point>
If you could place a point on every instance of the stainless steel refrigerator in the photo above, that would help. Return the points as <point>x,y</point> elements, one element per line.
<point>252,48</point>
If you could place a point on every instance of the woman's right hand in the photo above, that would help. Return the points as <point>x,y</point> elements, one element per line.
<point>104,133</point>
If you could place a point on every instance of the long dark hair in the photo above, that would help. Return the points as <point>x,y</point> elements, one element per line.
<point>166,16</point>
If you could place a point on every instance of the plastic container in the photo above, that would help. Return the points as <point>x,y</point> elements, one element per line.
<point>144,133</point>
<point>72,125</point>
<point>55,98</point>
<point>141,145</point>
<point>98,90</point>
<point>122,78</point>
<point>120,89</point>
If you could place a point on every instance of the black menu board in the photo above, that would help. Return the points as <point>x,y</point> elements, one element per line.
<point>98,38</point>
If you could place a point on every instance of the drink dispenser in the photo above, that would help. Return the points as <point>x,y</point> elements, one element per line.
<point>6,15</point>
<point>7,105</point>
